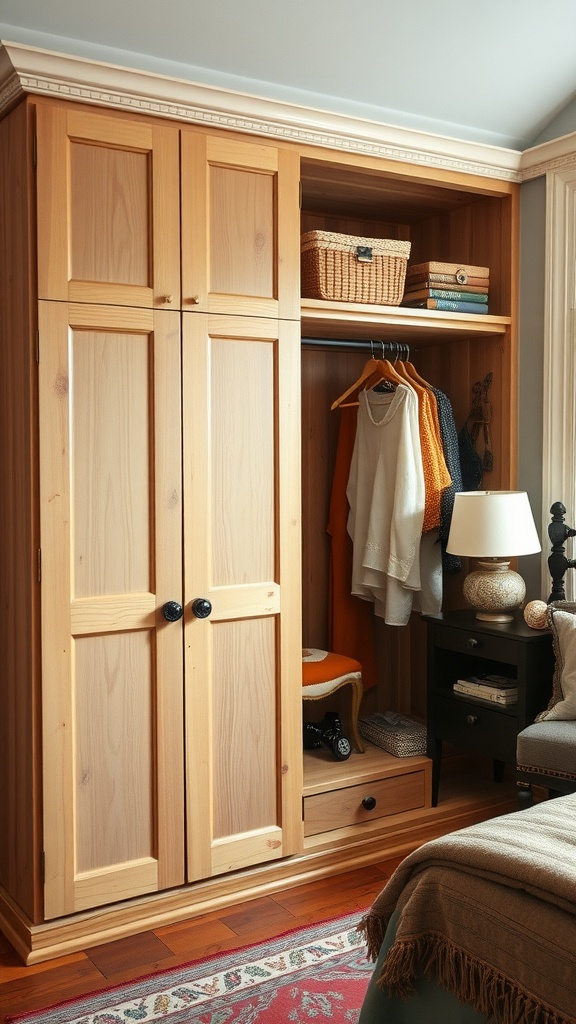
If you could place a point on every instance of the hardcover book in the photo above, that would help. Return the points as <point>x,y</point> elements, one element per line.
<point>448,305</point>
<point>460,270</point>
<point>445,293</point>
<point>426,280</point>
<point>491,681</point>
<point>481,693</point>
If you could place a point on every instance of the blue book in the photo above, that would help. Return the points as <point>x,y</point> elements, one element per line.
<point>454,295</point>
<point>448,306</point>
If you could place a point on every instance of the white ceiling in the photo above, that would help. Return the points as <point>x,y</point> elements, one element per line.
<point>496,72</point>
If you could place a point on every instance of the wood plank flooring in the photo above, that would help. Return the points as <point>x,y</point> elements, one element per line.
<point>29,988</point>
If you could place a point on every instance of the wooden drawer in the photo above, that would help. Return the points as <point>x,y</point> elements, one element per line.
<point>474,725</point>
<point>352,805</point>
<point>483,645</point>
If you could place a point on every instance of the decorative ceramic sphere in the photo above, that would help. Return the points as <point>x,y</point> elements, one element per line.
<point>535,614</point>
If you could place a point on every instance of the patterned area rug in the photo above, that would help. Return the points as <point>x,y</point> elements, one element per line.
<point>314,974</point>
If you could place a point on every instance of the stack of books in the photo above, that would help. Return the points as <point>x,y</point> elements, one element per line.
<point>452,287</point>
<point>498,689</point>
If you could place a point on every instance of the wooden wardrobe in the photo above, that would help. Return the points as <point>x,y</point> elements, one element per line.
<point>167,450</point>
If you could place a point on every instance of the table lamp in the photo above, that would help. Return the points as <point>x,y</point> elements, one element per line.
<point>493,526</point>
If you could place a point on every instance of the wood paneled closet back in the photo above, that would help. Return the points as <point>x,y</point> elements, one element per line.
<point>168,452</point>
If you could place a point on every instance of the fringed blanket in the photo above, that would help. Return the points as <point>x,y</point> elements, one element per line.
<point>489,912</point>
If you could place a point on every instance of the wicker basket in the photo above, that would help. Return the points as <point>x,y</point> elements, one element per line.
<point>397,734</point>
<point>351,269</point>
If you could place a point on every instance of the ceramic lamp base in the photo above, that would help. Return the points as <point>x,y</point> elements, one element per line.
<point>495,591</point>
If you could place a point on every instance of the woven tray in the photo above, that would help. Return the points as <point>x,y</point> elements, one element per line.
<point>397,734</point>
<point>348,268</point>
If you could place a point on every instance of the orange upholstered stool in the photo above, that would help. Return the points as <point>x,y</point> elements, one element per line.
<point>323,673</point>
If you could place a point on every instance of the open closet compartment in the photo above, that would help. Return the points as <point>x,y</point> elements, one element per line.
<point>447,217</point>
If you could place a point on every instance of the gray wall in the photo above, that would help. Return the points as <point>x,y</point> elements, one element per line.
<point>563,124</point>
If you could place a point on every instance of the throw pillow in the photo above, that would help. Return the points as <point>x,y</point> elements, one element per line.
<point>562,621</point>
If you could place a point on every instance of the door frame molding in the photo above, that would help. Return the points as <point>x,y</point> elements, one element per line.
<point>559,384</point>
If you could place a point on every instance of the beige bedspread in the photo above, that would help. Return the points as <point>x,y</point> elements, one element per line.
<point>490,913</point>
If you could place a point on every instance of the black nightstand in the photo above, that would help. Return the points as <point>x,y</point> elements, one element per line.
<point>460,645</point>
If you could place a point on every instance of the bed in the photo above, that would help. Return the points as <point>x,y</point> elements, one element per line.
<point>480,925</point>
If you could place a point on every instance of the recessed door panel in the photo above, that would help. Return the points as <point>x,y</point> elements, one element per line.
<point>110,193</point>
<point>244,711</point>
<point>242,452</point>
<point>111,455</point>
<point>114,708</point>
<point>242,218</point>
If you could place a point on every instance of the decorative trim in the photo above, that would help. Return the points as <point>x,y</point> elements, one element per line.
<point>559,442</point>
<point>547,772</point>
<point>550,156</point>
<point>31,70</point>
<point>27,69</point>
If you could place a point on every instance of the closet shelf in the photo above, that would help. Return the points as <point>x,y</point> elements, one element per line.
<point>321,319</point>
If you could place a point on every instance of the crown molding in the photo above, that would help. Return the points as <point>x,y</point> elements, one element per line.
<point>556,155</point>
<point>26,70</point>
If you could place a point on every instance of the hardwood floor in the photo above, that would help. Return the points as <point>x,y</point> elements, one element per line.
<point>29,988</point>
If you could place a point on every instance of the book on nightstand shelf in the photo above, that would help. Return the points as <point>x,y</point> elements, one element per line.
<point>495,688</point>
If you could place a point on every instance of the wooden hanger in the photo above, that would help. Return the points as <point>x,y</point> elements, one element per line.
<point>374,372</point>
<point>371,374</point>
<point>412,372</point>
<point>406,369</point>
<point>394,371</point>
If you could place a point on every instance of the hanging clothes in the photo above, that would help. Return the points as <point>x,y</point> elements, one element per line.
<point>437,480</point>
<point>449,437</point>
<point>386,495</point>
<point>350,619</point>
<point>436,475</point>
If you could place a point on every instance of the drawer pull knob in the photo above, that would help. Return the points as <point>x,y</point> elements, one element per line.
<point>369,803</point>
<point>472,642</point>
<point>472,719</point>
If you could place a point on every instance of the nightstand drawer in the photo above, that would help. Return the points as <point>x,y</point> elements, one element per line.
<point>476,726</point>
<point>484,645</point>
<point>353,805</point>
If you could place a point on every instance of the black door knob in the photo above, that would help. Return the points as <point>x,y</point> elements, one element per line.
<point>369,802</point>
<point>472,719</point>
<point>172,611</point>
<point>201,607</point>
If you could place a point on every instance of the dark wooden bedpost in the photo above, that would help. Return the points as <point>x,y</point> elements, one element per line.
<point>558,533</point>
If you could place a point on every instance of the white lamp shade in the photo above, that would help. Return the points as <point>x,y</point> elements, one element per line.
<point>492,524</point>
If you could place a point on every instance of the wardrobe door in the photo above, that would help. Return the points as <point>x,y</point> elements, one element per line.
<point>108,209</point>
<point>111,559</point>
<point>240,227</point>
<point>242,590</point>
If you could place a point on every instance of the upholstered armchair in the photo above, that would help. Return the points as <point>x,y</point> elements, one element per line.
<point>546,756</point>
